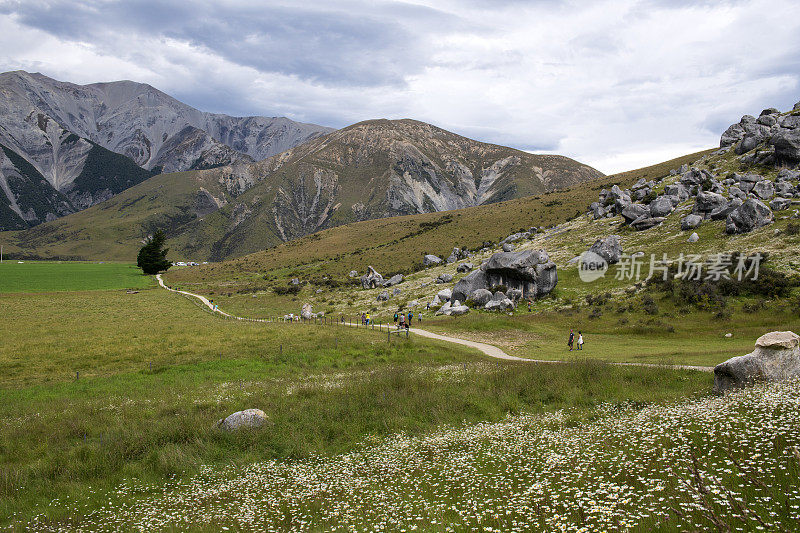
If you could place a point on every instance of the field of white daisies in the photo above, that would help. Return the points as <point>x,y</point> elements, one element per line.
<point>727,463</point>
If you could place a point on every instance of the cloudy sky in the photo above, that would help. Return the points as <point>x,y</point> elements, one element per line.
<point>616,84</point>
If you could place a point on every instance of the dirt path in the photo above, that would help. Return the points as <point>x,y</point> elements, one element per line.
<point>487,349</point>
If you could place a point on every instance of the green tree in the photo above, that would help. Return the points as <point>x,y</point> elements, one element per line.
<point>152,259</point>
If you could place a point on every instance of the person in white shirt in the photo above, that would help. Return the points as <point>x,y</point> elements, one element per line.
<point>580,341</point>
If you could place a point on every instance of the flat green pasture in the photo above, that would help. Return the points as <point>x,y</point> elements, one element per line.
<point>620,331</point>
<point>53,276</point>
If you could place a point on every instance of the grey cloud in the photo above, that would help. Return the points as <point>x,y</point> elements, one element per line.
<point>346,46</point>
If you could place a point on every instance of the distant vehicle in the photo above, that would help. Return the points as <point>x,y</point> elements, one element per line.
<point>180,264</point>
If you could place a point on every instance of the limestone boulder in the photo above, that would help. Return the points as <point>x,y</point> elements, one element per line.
<point>690,222</point>
<point>394,280</point>
<point>431,260</point>
<point>249,418</point>
<point>371,279</point>
<point>661,207</point>
<point>751,215</point>
<point>609,248</point>
<point>776,357</point>
<point>481,297</point>
<point>464,267</point>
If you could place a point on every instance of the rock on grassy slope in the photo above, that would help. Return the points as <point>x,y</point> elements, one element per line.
<point>399,244</point>
<point>752,174</point>
<point>369,170</point>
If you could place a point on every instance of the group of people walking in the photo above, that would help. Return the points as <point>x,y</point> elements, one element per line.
<point>571,340</point>
<point>403,321</point>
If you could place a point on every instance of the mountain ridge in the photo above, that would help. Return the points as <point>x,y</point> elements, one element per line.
<point>373,169</point>
<point>55,126</point>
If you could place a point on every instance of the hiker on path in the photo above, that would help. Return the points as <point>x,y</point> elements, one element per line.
<point>571,340</point>
<point>395,317</point>
<point>368,319</point>
<point>529,305</point>
<point>363,319</point>
<point>410,317</point>
<point>580,341</point>
<point>401,322</point>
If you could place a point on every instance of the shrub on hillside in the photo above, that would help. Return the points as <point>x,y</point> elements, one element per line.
<point>286,289</point>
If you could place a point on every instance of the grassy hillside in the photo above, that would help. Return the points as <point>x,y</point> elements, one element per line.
<point>398,244</point>
<point>115,229</point>
<point>366,171</point>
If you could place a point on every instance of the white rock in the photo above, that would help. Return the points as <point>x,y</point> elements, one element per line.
<point>249,418</point>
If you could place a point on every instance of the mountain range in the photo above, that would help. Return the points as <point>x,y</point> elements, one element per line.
<point>373,169</point>
<point>65,147</point>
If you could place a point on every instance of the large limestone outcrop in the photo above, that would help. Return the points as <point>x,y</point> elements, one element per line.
<point>776,357</point>
<point>371,279</point>
<point>531,272</point>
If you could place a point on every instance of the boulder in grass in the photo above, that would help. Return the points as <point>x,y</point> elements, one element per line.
<point>764,189</point>
<point>721,213</point>
<point>457,310</point>
<point>467,285</point>
<point>481,297</point>
<point>706,202</point>
<point>644,223</point>
<point>661,207</point>
<point>371,279</point>
<point>609,248</point>
<point>632,212</point>
<point>751,215</point>
<point>779,204</point>
<point>694,237</point>
<point>776,357</point>
<point>249,418</point>
<point>444,295</point>
<point>691,222</point>
<point>464,267</point>
<point>394,280</point>
<point>431,260</point>
<point>444,278</point>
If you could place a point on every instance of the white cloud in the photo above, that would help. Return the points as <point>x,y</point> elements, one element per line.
<point>616,84</point>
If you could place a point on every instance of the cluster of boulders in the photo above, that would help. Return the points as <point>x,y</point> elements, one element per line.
<point>739,199</point>
<point>500,282</point>
<point>772,138</point>
<point>776,357</point>
<point>372,279</point>
<point>744,200</point>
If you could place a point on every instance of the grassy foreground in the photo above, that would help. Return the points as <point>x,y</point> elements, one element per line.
<point>325,389</point>
<point>701,465</point>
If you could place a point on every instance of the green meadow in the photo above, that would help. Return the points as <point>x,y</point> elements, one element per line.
<point>50,276</point>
